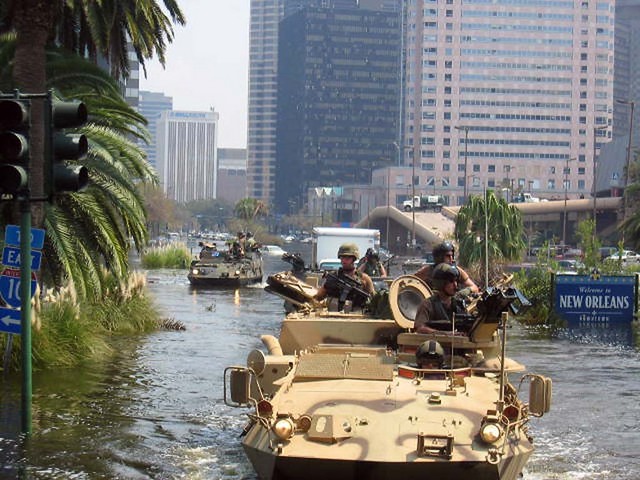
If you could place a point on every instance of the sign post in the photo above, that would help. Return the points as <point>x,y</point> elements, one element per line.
<point>17,287</point>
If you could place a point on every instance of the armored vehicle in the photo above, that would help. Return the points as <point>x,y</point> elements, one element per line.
<point>352,396</point>
<point>216,268</point>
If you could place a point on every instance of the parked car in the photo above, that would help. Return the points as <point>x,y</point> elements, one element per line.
<point>272,250</point>
<point>569,266</point>
<point>607,251</point>
<point>627,257</point>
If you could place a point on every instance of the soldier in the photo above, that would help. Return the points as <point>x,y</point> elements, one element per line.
<point>435,314</point>
<point>372,265</point>
<point>348,255</point>
<point>445,252</point>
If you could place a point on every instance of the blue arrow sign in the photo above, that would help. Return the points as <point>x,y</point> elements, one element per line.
<point>10,287</point>
<point>11,258</point>
<point>10,320</point>
<point>12,237</point>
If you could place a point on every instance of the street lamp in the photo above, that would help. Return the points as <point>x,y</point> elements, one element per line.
<point>466,152</point>
<point>388,204</point>
<point>632,105</point>
<point>595,177</point>
<point>413,203</point>
<point>486,230</point>
<point>566,186</point>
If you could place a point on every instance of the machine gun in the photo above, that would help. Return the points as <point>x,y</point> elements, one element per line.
<point>295,260</point>
<point>345,288</point>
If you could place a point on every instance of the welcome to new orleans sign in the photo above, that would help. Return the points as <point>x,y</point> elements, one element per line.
<point>586,301</point>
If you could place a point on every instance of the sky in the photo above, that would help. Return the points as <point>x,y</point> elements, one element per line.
<point>207,65</point>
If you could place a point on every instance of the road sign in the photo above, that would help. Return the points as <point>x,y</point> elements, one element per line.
<point>12,237</point>
<point>11,258</point>
<point>10,320</point>
<point>10,287</point>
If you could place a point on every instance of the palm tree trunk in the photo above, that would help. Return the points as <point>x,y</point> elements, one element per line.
<point>33,21</point>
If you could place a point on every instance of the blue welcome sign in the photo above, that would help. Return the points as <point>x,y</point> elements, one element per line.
<point>585,301</point>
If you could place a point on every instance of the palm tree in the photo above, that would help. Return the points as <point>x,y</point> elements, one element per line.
<point>631,225</point>
<point>85,26</point>
<point>92,230</point>
<point>502,221</point>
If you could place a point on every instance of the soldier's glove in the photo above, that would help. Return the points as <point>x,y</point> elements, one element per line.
<point>465,292</point>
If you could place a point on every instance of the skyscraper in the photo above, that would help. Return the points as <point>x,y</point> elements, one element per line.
<point>338,98</point>
<point>187,157</point>
<point>261,121</point>
<point>506,93</point>
<point>151,106</point>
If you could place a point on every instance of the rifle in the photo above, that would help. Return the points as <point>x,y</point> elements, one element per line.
<point>345,288</point>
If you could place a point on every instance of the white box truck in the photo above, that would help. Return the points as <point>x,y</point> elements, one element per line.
<point>327,240</point>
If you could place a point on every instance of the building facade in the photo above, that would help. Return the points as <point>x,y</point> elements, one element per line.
<point>187,157</point>
<point>513,95</point>
<point>151,106</point>
<point>338,98</point>
<point>261,119</point>
<point>232,175</point>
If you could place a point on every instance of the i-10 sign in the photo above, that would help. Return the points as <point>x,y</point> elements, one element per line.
<point>10,287</point>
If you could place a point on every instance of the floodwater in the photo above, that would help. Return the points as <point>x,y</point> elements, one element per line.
<point>156,411</point>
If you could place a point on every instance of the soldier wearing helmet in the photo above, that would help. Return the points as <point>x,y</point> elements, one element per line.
<point>445,253</point>
<point>371,264</point>
<point>348,254</point>
<point>436,312</point>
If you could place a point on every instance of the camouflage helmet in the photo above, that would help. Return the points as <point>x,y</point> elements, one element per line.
<point>349,250</point>
<point>441,249</point>
<point>443,273</point>
<point>430,353</point>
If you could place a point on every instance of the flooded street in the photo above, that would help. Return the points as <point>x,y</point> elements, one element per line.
<point>156,412</point>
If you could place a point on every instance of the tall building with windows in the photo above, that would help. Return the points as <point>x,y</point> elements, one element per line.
<point>261,120</point>
<point>187,156</point>
<point>151,106</point>
<point>512,95</point>
<point>265,16</point>
<point>338,98</point>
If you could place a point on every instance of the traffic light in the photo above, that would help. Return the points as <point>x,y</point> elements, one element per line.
<point>63,177</point>
<point>14,146</point>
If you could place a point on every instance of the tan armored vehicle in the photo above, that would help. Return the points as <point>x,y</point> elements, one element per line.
<point>223,268</point>
<point>350,396</point>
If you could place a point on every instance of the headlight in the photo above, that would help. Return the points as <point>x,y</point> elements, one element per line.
<point>283,428</point>
<point>490,432</point>
<point>237,272</point>
<point>195,271</point>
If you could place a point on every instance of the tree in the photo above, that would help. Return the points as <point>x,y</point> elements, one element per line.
<point>84,26</point>
<point>92,230</point>
<point>505,232</point>
<point>631,225</point>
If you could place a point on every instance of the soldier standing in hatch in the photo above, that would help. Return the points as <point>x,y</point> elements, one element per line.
<point>435,314</point>
<point>445,253</point>
<point>348,255</point>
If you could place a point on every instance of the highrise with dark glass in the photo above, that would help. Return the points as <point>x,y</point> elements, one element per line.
<point>338,98</point>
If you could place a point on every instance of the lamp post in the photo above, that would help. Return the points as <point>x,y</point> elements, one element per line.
<point>388,205</point>
<point>595,178</point>
<point>413,203</point>
<point>564,214</point>
<point>466,153</point>
<point>625,194</point>
<point>486,230</point>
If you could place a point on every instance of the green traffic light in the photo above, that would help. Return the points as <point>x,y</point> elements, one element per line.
<point>14,146</point>
<point>63,175</point>
<point>13,179</point>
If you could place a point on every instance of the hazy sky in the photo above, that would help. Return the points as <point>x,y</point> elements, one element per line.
<point>207,65</point>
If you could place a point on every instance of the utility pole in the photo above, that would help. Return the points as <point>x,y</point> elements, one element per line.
<point>564,214</point>
<point>466,158</point>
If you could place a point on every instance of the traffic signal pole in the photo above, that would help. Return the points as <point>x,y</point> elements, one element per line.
<point>61,149</point>
<point>25,318</point>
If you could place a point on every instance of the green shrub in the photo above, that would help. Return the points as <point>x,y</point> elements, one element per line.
<point>174,255</point>
<point>66,333</point>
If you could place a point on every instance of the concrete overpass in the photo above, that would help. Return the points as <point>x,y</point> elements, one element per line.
<point>544,217</point>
